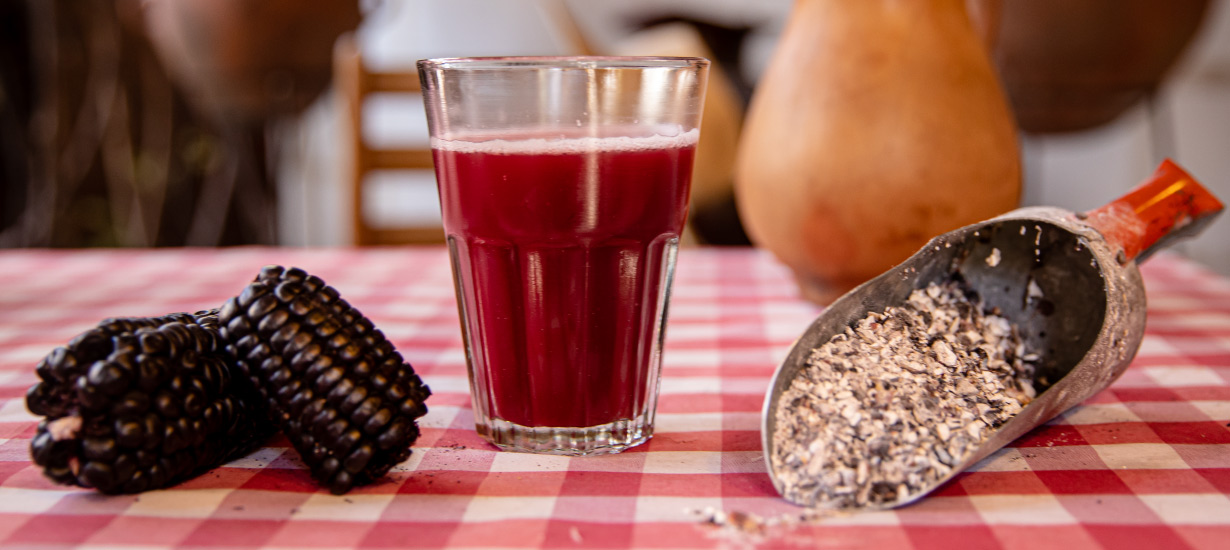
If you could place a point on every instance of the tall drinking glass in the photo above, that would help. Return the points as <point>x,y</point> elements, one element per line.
<point>564,187</point>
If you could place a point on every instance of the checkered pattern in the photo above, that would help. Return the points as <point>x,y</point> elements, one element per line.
<point>1143,464</point>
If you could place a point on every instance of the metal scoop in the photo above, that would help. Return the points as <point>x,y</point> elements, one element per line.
<point>1087,321</point>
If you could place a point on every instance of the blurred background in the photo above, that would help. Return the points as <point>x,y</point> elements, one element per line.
<point>139,123</point>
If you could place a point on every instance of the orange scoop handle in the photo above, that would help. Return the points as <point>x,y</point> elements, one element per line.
<point>1169,205</point>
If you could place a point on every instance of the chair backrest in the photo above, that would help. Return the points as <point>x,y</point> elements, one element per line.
<point>356,83</point>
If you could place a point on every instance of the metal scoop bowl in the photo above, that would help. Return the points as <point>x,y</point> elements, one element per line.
<point>1069,282</point>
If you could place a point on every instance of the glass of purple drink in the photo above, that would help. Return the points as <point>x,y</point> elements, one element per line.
<point>564,187</point>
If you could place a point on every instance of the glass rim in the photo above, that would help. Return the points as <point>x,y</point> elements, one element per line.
<point>579,62</point>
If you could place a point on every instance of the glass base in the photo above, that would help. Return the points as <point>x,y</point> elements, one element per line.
<point>594,440</point>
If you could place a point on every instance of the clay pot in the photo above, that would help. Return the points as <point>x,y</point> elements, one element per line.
<point>985,16</point>
<point>877,125</point>
<point>249,59</point>
<point>723,114</point>
<point>1076,64</point>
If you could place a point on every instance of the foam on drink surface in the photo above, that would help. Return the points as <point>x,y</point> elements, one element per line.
<point>521,144</point>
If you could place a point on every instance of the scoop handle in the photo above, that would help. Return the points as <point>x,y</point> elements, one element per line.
<point>1168,206</point>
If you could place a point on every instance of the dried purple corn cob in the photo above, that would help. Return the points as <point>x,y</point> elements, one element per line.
<point>142,403</point>
<point>343,396</point>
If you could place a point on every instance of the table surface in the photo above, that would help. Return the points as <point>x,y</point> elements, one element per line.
<point>1145,463</point>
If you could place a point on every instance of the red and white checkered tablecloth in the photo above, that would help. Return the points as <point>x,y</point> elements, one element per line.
<point>1144,464</point>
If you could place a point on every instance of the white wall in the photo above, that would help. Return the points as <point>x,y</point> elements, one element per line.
<point>1076,171</point>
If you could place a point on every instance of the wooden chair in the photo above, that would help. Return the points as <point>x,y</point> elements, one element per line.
<point>711,184</point>
<point>356,83</point>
